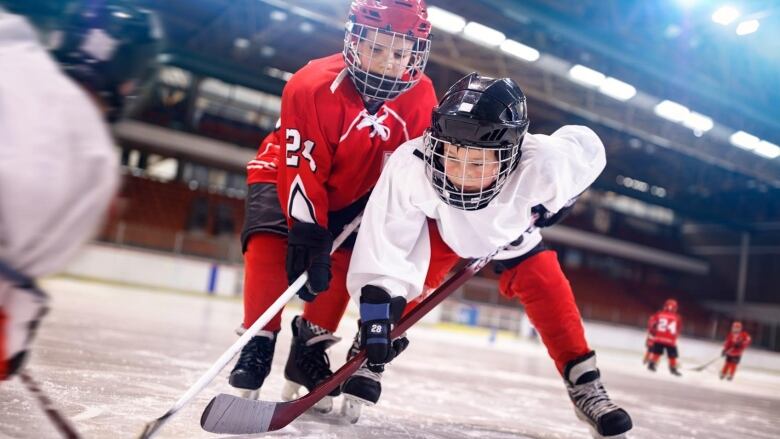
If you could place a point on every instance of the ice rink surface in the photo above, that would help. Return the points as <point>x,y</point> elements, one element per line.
<point>113,358</point>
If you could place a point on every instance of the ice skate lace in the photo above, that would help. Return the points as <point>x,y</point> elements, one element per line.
<point>355,348</point>
<point>257,354</point>
<point>315,363</point>
<point>592,399</point>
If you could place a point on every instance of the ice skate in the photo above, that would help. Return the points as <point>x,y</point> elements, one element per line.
<point>651,366</point>
<point>254,364</point>
<point>591,402</point>
<point>363,388</point>
<point>674,371</point>
<point>308,363</point>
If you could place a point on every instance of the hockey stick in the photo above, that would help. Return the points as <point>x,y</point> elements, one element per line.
<point>152,427</point>
<point>705,365</point>
<point>228,414</point>
<point>60,422</point>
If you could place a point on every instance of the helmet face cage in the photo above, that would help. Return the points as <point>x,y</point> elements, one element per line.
<point>387,85</point>
<point>441,169</point>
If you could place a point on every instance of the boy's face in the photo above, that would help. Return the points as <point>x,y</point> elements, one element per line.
<point>385,55</point>
<point>470,169</point>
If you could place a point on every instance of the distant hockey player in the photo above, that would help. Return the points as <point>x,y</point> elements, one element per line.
<point>341,118</point>
<point>482,181</point>
<point>736,342</point>
<point>58,165</point>
<point>663,328</point>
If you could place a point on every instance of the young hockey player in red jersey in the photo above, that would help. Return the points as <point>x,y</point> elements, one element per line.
<point>736,342</point>
<point>663,328</point>
<point>341,118</point>
<point>484,183</point>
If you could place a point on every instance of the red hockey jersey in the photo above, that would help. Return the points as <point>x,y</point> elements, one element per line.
<point>736,343</point>
<point>664,327</point>
<point>332,148</point>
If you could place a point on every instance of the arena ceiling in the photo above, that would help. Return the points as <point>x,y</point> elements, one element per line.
<point>735,82</point>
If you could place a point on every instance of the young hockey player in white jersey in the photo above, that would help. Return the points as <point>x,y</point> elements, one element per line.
<point>484,182</point>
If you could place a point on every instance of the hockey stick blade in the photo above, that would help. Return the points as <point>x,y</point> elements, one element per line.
<point>151,428</point>
<point>228,414</point>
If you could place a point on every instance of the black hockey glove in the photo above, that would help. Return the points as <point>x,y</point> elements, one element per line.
<point>308,249</point>
<point>378,313</point>
<point>545,218</point>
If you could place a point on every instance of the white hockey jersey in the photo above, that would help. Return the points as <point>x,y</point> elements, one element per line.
<point>393,250</point>
<point>58,166</point>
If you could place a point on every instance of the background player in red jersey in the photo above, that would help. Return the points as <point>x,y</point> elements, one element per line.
<point>736,342</point>
<point>663,329</point>
<point>342,116</point>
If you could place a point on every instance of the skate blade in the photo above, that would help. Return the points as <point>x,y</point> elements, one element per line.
<point>351,408</point>
<point>290,391</point>
<point>251,394</point>
<point>593,432</point>
<point>293,390</point>
<point>325,405</point>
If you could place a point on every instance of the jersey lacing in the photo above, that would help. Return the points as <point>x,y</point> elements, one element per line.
<point>376,122</point>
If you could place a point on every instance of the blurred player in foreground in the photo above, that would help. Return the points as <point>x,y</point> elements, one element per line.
<point>663,328</point>
<point>736,342</point>
<point>58,165</point>
<point>485,183</point>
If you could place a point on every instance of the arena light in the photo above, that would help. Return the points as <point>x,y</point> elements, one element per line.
<point>747,27</point>
<point>278,15</point>
<point>587,76</point>
<point>241,43</point>
<point>725,15</point>
<point>744,140</point>
<point>520,50</point>
<point>672,111</point>
<point>698,122</point>
<point>617,89</point>
<point>768,150</point>
<point>446,20</point>
<point>479,33</point>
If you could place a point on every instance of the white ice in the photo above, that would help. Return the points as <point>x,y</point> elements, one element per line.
<point>113,358</point>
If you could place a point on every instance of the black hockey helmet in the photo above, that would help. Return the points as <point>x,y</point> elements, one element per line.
<point>482,113</point>
<point>109,46</point>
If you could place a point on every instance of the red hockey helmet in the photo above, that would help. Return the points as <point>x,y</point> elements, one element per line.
<point>409,17</point>
<point>736,326</point>
<point>670,305</point>
<point>386,46</point>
